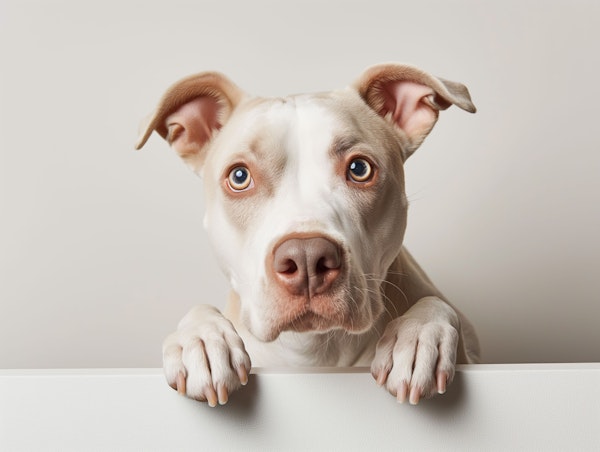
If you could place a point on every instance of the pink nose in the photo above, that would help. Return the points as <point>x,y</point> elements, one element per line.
<point>307,266</point>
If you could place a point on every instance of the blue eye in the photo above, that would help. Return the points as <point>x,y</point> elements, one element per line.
<point>239,178</point>
<point>360,170</point>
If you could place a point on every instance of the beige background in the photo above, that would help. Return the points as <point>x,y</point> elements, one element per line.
<point>102,248</point>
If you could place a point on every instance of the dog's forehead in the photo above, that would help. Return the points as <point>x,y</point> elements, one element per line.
<point>312,120</point>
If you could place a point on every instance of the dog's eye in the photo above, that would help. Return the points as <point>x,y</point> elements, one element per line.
<point>239,178</point>
<point>360,170</point>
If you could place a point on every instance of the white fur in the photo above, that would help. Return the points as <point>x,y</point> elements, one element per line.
<point>384,311</point>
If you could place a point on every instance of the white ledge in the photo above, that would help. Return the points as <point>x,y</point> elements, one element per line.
<point>488,407</point>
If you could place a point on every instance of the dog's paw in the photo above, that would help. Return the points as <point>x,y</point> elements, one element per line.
<point>205,358</point>
<point>416,356</point>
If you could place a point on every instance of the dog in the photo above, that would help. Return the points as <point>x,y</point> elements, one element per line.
<point>306,210</point>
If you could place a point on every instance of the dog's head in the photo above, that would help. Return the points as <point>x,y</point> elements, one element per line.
<point>305,194</point>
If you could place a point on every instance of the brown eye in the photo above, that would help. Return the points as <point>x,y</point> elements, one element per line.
<point>239,178</point>
<point>360,170</point>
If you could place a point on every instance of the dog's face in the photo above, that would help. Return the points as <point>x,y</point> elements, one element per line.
<point>283,174</point>
<point>306,207</point>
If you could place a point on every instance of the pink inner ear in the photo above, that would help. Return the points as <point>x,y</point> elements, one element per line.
<point>407,102</point>
<point>192,125</point>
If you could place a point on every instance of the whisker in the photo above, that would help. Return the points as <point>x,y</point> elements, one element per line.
<point>394,286</point>
<point>416,195</point>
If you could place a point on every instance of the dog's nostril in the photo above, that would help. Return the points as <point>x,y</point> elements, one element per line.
<point>288,267</point>
<point>322,266</point>
<point>328,263</point>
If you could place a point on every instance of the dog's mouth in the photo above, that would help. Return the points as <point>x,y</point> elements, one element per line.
<point>311,319</point>
<point>346,308</point>
<point>307,321</point>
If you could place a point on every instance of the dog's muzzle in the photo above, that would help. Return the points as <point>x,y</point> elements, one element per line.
<point>310,287</point>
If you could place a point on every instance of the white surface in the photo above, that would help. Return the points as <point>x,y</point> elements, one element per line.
<point>489,407</point>
<point>102,249</point>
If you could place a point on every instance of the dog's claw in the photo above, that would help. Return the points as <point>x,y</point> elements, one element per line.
<point>402,392</point>
<point>180,383</point>
<point>442,381</point>
<point>415,396</point>
<point>223,394</point>
<point>243,375</point>
<point>211,397</point>
<point>381,378</point>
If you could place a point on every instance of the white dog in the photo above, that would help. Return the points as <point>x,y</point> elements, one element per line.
<point>306,209</point>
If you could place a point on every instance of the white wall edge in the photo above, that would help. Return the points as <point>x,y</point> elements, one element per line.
<point>488,407</point>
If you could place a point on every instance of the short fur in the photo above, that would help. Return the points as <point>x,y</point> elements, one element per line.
<point>306,210</point>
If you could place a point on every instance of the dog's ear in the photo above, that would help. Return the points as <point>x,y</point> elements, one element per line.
<point>190,112</point>
<point>410,98</point>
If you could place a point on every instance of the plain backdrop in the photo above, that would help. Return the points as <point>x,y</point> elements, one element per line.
<point>102,248</point>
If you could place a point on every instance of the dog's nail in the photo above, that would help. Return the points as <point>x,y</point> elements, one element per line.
<point>415,396</point>
<point>243,375</point>
<point>402,393</point>
<point>211,397</point>
<point>180,383</point>
<point>223,394</point>
<point>442,381</point>
<point>381,378</point>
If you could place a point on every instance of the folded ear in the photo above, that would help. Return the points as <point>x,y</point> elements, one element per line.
<point>190,112</point>
<point>410,98</point>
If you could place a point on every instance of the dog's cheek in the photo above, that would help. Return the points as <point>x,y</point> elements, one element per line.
<point>226,239</point>
<point>374,226</point>
<point>366,305</point>
<point>386,222</point>
<point>239,211</point>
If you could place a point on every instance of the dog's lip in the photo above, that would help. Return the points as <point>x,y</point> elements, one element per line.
<point>307,321</point>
